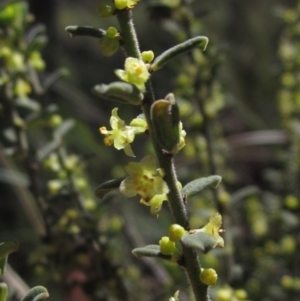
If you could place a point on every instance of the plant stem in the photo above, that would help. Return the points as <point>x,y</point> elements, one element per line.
<point>190,259</point>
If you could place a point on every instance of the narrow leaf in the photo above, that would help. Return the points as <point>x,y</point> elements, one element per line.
<point>47,150</point>
<point>53,77</point>
<point>36,294</point>
<point>179,49</point>
<point>200,184</point>
<point>200,241</point>
<point>65,127</point>
<point>87,31</point>
<point>150,251</point>
<point>107,187</point>
<point>243,193</point>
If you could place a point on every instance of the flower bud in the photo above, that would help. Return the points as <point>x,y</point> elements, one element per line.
<point>176,232</point>
<point>147,56</point>
<point>209,276</point>
<point>241,294</point>
<point>105,10</point>
<point>111,32</point>
<point>121,4</point>
<point>167,247</point>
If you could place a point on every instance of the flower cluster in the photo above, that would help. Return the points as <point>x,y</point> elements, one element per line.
<point>147,181</point>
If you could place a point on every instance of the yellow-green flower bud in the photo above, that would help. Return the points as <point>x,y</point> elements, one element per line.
<point>111,32</point>
<point>176,232</point>
<point>209,276</point>
<point>147,56</point>
<point>241,294</point>
<point>167,247</point>
<point>55,120</point>
<point>121,4</point>
<point>287,282</point>
<point>291,202</point>
<point>105,10</point>
<point>224,294</point>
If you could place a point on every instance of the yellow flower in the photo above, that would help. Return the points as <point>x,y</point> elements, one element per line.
<point>147,181</point>
<point>122,135</point>
<point>213,228</point>
<point>136,73</point>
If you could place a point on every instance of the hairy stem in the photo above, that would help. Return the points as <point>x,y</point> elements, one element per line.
<point>190,259</point>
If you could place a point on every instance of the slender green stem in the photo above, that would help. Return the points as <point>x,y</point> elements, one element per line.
<point>190,259</point>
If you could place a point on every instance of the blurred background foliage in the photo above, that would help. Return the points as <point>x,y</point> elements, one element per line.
<point>239,103</point>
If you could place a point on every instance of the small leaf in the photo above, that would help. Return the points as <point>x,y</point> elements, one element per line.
<point>121,92</point>
<point>14,177</point>
<point>28,103</point>
<point>243,193</point>
<point>200,241</point>
<point>150,251</point>
<point>179,49</point>
<point>107,187</point>
<point>53,77</point>
<point>36,294</point>
<point>87,31</point>
<point>5,249</point>
<point>165,118</point>
<point>47,150</point>
<point>65,127</point>
<point>3,291</point>
<point>200,184</point>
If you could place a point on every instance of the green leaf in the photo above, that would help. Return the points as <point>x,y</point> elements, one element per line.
<point>5,249</point>
<point>3,291</point>
<point>200,241</point>
<point>200,184</point>
<point>36,294</point>
<point>36,38</point>
<point>165,118</point>
<point>150,251</point>
<point>107,187</point>
<point>179,49</point>
<point>121,92</point>
<point>87,31</point>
